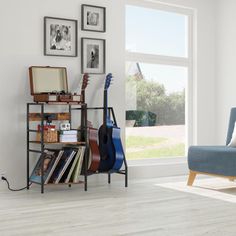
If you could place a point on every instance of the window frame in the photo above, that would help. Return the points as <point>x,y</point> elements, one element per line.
<point>190,61</point>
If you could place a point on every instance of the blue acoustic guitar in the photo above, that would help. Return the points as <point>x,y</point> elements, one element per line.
<point>110,146</point>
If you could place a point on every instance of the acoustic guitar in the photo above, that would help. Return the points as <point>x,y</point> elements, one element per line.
<point>94,156</point>
<point>110,146</point>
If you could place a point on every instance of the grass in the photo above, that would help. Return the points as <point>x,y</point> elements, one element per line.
<point>137,141</point>
<point>155,151</point>
<point>173,151</point>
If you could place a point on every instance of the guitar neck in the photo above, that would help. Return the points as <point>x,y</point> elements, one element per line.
<point>106,116</point>
<point>83,96</point>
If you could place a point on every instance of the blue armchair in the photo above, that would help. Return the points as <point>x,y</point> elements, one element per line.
<point>214,160</point>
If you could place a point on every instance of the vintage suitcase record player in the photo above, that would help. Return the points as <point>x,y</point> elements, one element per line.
<point>49,84</point>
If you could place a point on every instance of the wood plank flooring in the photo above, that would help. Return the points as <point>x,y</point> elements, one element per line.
<point>107,210</point>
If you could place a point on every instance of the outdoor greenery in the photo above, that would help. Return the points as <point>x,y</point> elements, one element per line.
<point>152,97</point>
<point>149,104</point>
<point>142,118</point>
<point>152,147</point>
<point>138,141</point>
<point>172,151</point>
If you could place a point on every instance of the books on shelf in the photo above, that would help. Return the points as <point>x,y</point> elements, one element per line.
<point>68,136</point>
<point>49,157</point>
<point>69,132</point>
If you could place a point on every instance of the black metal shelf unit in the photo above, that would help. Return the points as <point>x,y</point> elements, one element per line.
<point>83,107</point>
<point>71,107</point>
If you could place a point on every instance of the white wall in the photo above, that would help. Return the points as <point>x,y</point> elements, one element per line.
<point>226,66</point>
<point>21,45</point>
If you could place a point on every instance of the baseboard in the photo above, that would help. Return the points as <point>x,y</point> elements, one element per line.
<point>139,169</point>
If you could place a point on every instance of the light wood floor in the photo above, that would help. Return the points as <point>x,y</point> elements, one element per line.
<point>141,209</point>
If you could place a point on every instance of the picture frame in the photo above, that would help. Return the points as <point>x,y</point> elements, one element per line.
<point>60,37</point>
<point>93,53</point>
<point>93,18</point>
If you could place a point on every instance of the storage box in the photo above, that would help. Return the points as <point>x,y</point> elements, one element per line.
<point>49,136</point>
<point>49,84</point>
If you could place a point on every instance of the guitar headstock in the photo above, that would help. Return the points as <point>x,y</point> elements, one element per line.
<point>108,81</point>
<point>85,81</point>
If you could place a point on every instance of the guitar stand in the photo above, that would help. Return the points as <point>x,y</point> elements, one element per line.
<point>121,172</point>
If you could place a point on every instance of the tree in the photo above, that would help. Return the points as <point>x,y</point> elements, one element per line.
<point>152,97</point>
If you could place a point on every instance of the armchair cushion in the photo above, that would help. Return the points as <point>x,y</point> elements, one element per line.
<point>219,160</point>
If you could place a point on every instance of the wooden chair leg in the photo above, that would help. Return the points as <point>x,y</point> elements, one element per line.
<point>191,177</point>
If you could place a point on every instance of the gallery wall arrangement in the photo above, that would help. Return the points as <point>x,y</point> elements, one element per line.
<point>61,38</point>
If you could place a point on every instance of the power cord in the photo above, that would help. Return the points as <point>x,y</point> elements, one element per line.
<point>8,185</point>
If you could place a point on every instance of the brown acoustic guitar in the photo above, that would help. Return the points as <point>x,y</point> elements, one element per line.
<point>94,155</point>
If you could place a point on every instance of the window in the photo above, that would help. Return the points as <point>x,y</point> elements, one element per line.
<point>156,32</point>
<point>158,69</point>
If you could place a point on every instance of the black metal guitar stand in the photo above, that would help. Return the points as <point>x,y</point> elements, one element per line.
<point>125,170</point>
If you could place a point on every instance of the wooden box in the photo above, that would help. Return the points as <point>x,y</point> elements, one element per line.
<point>47,83</point>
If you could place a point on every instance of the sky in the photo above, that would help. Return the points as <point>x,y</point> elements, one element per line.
<point>152,31</point>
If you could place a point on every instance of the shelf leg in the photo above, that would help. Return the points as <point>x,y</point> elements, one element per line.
<point>85,183</point>
<point>126,177</point>
<point>42,148</point>
<point>70,114</point>
<point>42,174</point>
<point>84,125</point>
<point>42,189</point>
<point>27,156</point>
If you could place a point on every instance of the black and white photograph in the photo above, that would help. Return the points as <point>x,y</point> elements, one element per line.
<point>60,37</point>
<point>93,18</point>
<point>93,56</point>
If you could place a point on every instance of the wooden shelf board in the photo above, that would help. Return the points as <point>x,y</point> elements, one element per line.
<point>80,182</point>
<point>105,172</point>
<point>74,143</point>
<point>36,116</point>
<point>61,103</point>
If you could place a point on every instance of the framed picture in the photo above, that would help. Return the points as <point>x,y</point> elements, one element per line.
<point>93,18</point>
<point>93,55</point>
<point>60,37</point>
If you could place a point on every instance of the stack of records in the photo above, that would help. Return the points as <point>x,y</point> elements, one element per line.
<point>59,165</point>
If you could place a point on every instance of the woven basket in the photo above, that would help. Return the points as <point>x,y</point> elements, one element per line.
<point>50,136</point>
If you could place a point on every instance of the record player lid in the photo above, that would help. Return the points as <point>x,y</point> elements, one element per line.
<point>47,79</point>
